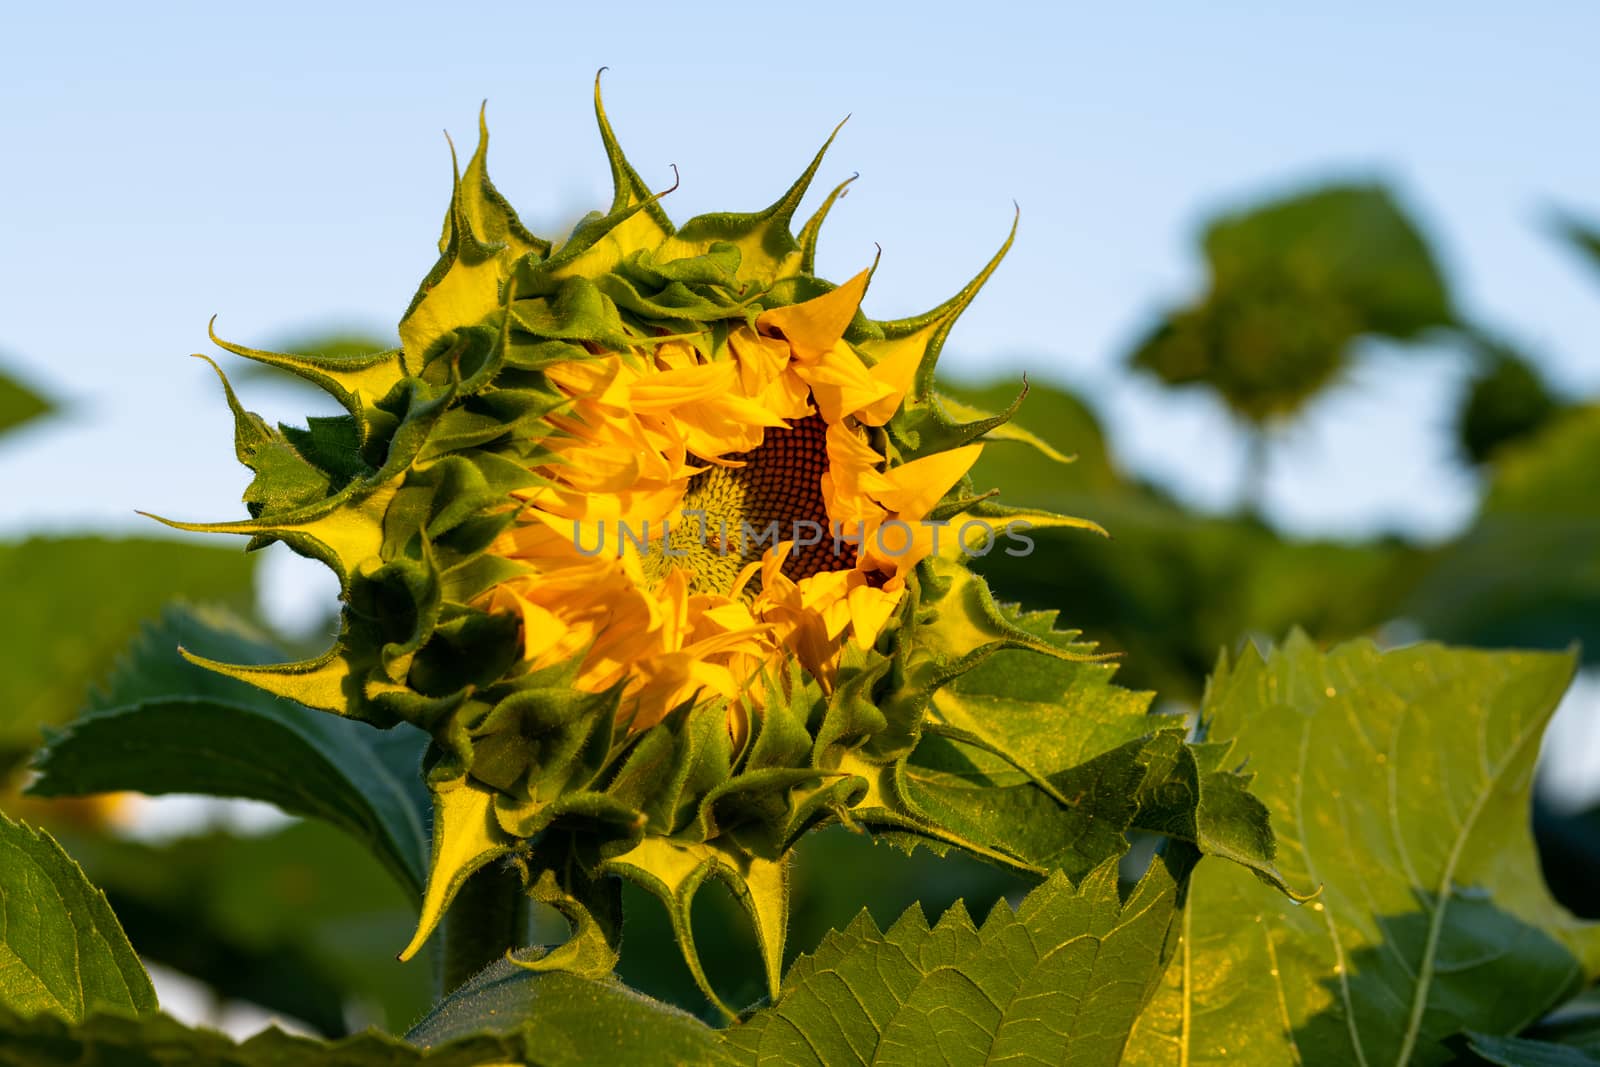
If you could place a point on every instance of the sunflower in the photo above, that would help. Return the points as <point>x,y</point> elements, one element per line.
<point>748,516</point>
<point>658,536</point>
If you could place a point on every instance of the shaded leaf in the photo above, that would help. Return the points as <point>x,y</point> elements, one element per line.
<point>568,1019</point>
<point>1524,1052</point>
<point>1569,1037</point>
<point>62,951</point>
<point>1398,782</point>
<point>298,920</point>
<point>110,1040</point>
<point>1057,981</point>
<point>164,725</point>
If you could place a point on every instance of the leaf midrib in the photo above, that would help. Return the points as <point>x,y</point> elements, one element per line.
<point>1419,1001</point>
<point>82,1004</point>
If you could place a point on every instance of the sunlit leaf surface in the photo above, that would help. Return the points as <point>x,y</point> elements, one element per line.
<point>1398,782</point>
<point>1057,981</point>
<point>62,951</point>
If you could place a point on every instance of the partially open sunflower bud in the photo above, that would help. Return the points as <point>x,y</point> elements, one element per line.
<point>658,536</point>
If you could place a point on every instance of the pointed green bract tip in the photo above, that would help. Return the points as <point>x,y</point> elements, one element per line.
<point>466,838</point>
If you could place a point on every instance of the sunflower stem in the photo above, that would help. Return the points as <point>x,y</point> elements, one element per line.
<point>488,917</point>
<point>1258,455</point>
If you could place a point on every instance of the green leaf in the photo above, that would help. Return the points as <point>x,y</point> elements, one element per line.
<point>1398,782</point>
<point>164,725</point>
<point>568,1019</point>
<point>113,1040</point>
<point>1015,700</point>
<point>85,598</point>
<point>1524,1052</point>
<point>1569,1037</point>
<point>1058,981</point>
<point>297,920</point>
<point>1044,763</point>
<point>61,949</point>
<point>18,404</point>
<point>1293,283</point>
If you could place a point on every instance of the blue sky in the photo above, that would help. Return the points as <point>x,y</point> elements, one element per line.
<point>284,169</point>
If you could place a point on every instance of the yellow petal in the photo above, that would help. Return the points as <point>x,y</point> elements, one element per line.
<point>787,397</point>
<point>841,384</point>
<point>814,327</point>
<point>542,630</point>
<point>761,360</point>
<point>673,388</point>
<point>912,489</point>
<point>870,608</point>
<point>894,373</point>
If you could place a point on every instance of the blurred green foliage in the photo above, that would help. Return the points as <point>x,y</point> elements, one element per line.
<point>18,404</point>
<point>1506,401</point>
<point>1170,587</point>
<point>80,600</point>
<point>1292,285</point>
<point>1527,573</point>
<point>1582,235</point>
<point>301,920</point>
